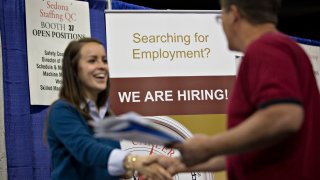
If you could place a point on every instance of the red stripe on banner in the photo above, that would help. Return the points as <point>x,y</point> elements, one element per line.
<point>171,95</point>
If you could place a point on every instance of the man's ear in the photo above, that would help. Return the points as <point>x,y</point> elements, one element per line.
<point>235,13</point>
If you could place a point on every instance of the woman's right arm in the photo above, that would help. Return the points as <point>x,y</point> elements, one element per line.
<point>69,127</point>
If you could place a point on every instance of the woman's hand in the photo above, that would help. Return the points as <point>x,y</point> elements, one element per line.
<point>172,165</point>
<point>151,171</point>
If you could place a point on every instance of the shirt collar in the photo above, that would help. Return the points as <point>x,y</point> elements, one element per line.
<point>95,114</point>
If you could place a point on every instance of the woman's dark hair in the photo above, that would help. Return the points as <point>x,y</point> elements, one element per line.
<point>71,89</point>
<point>256,11</point>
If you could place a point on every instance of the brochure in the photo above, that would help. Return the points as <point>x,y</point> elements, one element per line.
<point>132,126</point>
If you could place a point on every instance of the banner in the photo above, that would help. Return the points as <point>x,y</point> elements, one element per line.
<point>171,66</point>
<point>168,63</point>
<point>51,25</point>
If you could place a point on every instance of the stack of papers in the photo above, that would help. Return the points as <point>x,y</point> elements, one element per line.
<point>131,126</point>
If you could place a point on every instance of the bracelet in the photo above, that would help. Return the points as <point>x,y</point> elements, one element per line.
<point>129,161</point>
<point>128,165</point>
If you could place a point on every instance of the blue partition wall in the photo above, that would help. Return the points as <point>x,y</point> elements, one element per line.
<point>27,156</point>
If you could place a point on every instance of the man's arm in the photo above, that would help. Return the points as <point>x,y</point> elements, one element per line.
<point>265,127</point>
<point>174,165</point>
<point>214,164</point>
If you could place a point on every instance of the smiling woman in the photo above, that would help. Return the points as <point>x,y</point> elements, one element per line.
<point>75,152</point>
<point>93,70</point>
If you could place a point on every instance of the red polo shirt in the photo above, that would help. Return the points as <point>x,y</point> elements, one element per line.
<point>275,69</point>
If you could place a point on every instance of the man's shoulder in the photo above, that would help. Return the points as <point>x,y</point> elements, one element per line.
<point>277,39</point>
<point>273,42</point>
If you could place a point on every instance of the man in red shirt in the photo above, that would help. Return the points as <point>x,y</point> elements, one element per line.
<point>273,114</point>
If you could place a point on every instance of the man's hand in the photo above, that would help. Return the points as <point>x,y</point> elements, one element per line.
<point>194,150</point>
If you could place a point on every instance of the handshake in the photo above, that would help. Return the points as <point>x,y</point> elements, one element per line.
<point>152,167</point>
<point>196,156</point>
